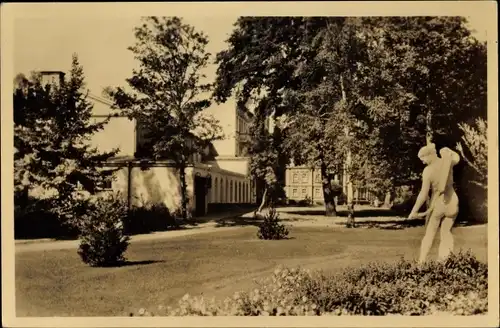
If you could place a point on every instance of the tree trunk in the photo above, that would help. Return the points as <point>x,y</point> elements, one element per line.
<point>184,201</point>
<point>428,126</point>
<point>263,202</point>
<point>330,209</point>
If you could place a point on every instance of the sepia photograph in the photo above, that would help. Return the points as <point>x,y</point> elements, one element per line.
<point>164,163</point>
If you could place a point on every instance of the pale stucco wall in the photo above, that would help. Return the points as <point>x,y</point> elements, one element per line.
<point>119,132</point>
<point>155,185</point>
<point>233,164</point>
<point>226,114</point>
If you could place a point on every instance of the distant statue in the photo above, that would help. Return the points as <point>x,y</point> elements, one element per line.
<point>437,177</point>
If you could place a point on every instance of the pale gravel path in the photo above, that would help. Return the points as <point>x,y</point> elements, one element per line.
<point>202,227</point>
<point>289,219</point>
<point>49,244</point>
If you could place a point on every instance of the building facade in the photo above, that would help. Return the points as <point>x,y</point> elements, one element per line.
<point>305,183</point>
<point>215,178</point>
<point>212,181</point>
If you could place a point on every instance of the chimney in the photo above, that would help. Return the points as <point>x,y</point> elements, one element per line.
<point>52,77</point>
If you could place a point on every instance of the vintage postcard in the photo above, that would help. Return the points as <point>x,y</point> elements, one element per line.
<point>299,164</point>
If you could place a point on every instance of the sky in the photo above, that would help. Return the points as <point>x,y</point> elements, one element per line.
<point>101,44</point>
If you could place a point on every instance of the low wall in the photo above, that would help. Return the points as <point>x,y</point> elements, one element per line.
<point>153,185</point>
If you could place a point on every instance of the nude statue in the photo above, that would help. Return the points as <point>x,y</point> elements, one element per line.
<point>437,177</point>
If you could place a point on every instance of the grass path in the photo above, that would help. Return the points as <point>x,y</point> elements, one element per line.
<point>57,283</point>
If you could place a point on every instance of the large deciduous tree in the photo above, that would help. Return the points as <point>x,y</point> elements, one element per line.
<point>269,61</point>
<point>52,130</point>
<point>169,93</point>
<point>422,76</point>
<point>320,133</point>
<point>395,83</point>
<point>256,67</point>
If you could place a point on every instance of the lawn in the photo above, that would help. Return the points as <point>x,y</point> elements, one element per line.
<point>57,283</point>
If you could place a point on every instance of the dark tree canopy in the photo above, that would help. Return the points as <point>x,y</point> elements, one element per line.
<point>379,87</point>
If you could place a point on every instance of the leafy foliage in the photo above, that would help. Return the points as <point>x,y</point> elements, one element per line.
<point>168,95</point>
<point>53,155</point>
<point>420,77</point>
<point>257,66</point>
<point>458,286</point>
<point>271,228</point>
<point>33,218</point>
<point>392,82</point>
<point>271,64</point>
<point>147,218</point>
<point>102,238</point>
<point>475,139</point>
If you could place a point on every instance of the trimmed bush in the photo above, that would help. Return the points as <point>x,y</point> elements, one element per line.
<point>459,286</point>
<point>271,228</point>
<point>102,238</point>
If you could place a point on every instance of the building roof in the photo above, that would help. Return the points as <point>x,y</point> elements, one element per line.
<point>100,99</point>
<point>52,72</point>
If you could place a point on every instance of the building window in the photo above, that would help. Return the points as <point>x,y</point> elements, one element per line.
<point>105,185</point>
<point>295,178</point>
<point>318,178</point>
<point>304,192</point>
<point>295,193</point>
<point>304,177</point>
<point>317,192</point>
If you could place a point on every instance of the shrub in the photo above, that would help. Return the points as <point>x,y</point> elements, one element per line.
<point>102,239</point>
<point>307,201</point>
<point>337,189</point>
<point>271,228</point>
<point>404,200</point>
<point>458,285</point>
<point>33,218</point>
<point>475,139</point>
<point>281,201</point>
<point>148,218</point>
